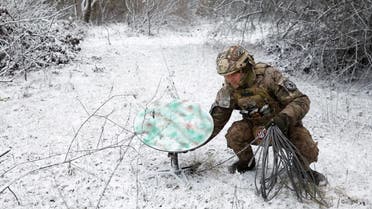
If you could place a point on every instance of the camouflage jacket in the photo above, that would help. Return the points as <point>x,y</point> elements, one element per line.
<point>259,99</point>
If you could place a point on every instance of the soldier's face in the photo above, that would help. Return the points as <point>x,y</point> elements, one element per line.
<point>234,79</point>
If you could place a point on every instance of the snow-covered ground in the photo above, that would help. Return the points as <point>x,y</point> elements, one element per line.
<point>83,113</point>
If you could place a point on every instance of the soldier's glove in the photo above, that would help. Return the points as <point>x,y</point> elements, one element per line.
<point>281,120</point>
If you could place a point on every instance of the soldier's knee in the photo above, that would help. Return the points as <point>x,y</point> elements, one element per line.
<point>238,133</point>
<point>233,137</point>
<point>313,152</point>
<point>308,148</point>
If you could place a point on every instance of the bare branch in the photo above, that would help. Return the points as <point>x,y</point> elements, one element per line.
<point>15,196</point>
<point>113,173</point>
<point>6,152</point>
<point>90,116</point>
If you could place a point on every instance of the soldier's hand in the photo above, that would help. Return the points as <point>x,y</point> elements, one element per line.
<point>281,120</point>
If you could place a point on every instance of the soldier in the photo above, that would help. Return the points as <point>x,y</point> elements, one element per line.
<point>264,97</point>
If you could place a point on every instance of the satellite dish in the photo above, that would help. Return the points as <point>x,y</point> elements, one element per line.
<point>178,126</point>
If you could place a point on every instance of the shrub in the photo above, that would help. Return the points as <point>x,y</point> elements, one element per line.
<point>32,37</point>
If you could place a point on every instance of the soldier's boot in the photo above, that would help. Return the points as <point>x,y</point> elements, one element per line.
<point>242,166</point>
<point>318,178</point>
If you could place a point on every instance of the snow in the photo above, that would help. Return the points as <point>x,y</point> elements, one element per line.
<point>40,117</point>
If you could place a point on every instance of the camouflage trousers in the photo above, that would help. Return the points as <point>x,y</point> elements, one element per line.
<point>241,133</point>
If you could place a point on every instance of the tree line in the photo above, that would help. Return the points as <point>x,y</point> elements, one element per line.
<point>331,38</point>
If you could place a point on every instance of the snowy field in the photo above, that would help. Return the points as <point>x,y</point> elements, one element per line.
<point>69,131</point>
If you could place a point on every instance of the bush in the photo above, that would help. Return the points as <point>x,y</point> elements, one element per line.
<point>332,39</point>
<point>32,37</point>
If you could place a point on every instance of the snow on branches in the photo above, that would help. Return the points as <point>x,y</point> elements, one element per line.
<point>32,37</point>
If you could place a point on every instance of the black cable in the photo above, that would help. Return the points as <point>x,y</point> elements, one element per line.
<point>283,167</point>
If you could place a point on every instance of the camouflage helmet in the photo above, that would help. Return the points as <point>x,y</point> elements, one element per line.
<point>233,59</point>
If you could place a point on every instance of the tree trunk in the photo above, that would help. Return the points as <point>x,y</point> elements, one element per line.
<point>369,35</point>
<point>87,9</point>
<point>78,8</point>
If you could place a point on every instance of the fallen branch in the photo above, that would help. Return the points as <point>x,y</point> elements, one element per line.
<point>112,173</point>
<point>27,173</point>
<point>87,153</point>
<point>6,152</point>
<point>15,196</point>
<point>59,192</point>
<point>89,117</point>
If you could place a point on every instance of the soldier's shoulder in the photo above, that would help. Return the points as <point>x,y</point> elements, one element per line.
<point>224,96</point>
<point>225,89</point>
<point>260,68</point>
<point>269,72</point>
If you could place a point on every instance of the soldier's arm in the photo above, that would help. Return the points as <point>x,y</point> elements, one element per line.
<point>221,110</point>
<point>295,103</point>
<point>220,117</point>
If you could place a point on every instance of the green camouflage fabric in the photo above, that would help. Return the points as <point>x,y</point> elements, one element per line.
<point>270,88</point>
<point>264,94</point>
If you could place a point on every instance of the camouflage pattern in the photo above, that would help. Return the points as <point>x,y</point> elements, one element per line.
<point>260,96</point>
<point>232,60</point>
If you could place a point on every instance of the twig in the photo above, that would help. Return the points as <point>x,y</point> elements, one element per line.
<point>137,184</point>
<point>111,89</point>
<point>154,96</point>
<point>8,81</point>
<point>113,122</point>
<point>27,173</point>
<point>289,29</point>
<point>29,161</point>
<point>88,172</point>
<point>175,92</point>
<point>81,103</point>
<point>112,173</point>
<point>19,203</point>
<point>231,157</point>
<point>108,35</point>
<point>59,192</point>
<point>88,152</point>
<point>357,13</point>
<point>247,15</point>
<point>46,18</point>
<point>6,152</point>
<point>90,116</point>
<point>103,128</point>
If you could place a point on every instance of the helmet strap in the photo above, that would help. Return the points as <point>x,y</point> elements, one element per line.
<point>248,78</point>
